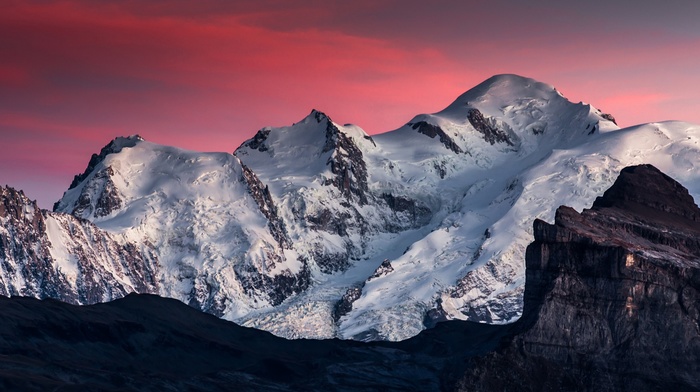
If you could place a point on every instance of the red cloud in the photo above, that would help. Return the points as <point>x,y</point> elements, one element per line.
<point>207,75</point>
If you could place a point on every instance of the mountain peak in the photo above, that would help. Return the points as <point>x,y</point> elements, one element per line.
<point>511,79</point>
<point>644,187</point>
<point>504,92</point>
<point>507,88</point>
<point>301,213</point>
<point>15,203</point>
<point>509,114</point>
<point>306,132</point>
<point>114,146</point>
<point>319,116</point>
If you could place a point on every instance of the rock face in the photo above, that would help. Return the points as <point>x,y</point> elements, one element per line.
<point>611,298</point>
<point>432,131</point>
<point>24,250</point>
<point>50,255</point>
<point>261,194</point>
<point>346,161</point>
<point>491,132</point>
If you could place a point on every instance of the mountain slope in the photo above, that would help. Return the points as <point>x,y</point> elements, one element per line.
<point>572,177</point>
<point>50,255</point>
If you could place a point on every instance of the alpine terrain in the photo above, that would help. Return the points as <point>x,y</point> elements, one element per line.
<point>319,230</point>
<point>610,304</point>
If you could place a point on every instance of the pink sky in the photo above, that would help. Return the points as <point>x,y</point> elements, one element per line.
<point>206,75</point>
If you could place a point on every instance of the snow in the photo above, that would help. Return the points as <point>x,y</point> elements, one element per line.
<point>65,261</point>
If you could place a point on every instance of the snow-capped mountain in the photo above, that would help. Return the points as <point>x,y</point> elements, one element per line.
<point>319,230</point>
<point>220,246</point>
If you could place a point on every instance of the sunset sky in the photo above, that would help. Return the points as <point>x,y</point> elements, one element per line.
<point>205,75</point>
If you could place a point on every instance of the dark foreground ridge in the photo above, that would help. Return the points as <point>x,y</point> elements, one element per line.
<point>611,303</point>
<point>145,342</point>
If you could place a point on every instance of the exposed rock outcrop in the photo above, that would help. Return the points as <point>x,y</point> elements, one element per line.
<point>612,296</point>
<point>275,288</point>
<point>383,269</point>
<point>258,141</point>
<point>406,209</point>
<point>99,197</point>
<point>432,131</point>
<point>53,255</point>
<point>487,127</point>
<point>262,196</point>
<point>609,117</point>
<point>343,306</point>
<point>346,161</point>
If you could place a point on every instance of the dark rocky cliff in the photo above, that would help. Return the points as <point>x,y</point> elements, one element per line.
<point>611,299</point>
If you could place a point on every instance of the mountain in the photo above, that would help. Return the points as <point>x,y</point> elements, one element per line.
<point>220,246</point>
<point>611,303</point>
<point>318,230</point>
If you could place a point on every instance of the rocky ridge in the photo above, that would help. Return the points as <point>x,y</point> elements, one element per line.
<point>611,299</point>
